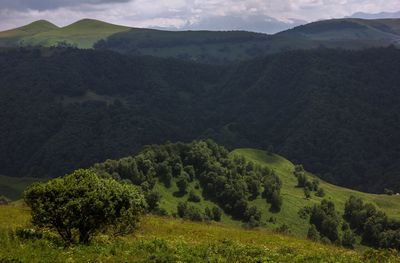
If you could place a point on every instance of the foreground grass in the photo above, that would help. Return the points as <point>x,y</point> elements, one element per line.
<point>172,240</point>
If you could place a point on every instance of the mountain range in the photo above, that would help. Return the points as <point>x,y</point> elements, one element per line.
<point>216,47</point>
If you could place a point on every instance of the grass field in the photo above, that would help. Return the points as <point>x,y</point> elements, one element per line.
<point>172,240</point>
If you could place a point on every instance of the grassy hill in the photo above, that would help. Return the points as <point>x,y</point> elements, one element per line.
<point>216,47</point>
<point>173,240</point>
<point>82,34</point>
<point>13,36</point>
<point>293,197</point>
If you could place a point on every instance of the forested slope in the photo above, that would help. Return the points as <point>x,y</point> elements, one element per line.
<point>335,111</point>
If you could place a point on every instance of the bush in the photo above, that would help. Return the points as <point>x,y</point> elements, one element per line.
<point>307,193</point>
<point>152,200</point>
<point>189,212</point>
<point>320,192</point>
<point>4,200</point>
<point>284,229</point>
<point>182,184</point>
<point>193,197</point>
<point>313,233</point>
<point>301,180</point>
<point>348,239</point>
<point>276,202</point>
<point>28,233</point>
<point>85,204</point>
<point>217,213</point>
<point>387,191</point>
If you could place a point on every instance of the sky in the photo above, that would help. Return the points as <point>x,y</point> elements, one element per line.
<point>267,16</point>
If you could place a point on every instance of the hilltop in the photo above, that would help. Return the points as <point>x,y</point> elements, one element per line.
<point>213,47</point>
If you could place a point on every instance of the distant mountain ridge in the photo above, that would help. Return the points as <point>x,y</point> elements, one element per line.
<point>212,47</point>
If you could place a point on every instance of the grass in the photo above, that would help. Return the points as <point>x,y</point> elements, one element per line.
<point>293,197</point>
<point>172,240</point>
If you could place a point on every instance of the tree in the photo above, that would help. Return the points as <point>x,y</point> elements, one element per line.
<point>301,180</point>
<point>320,192</point>
<point>325,219</point>
<point>193,197</point>
<point>84,203</point>
<point>217,213</point>
<point>307,193</point>
<point>152,200</point>
<point>313,233</point>
<point>348,239</point>
<point>182,184</point>
<point>276,202</point>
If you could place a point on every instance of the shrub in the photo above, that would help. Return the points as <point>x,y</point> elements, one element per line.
<point>387,191</point>
<point>348,239</point>
<point>152,200</point>
<point>182,184</point>
<point>4,200</point>
<point>217,213</point>
<point>320,192</point>
<point>189,212</point>
<point>313,233</point>
<point>84,203</point>
<point>284,229</point>
<point>193,197</point>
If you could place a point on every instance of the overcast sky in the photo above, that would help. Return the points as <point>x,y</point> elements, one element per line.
<point>256,15</point>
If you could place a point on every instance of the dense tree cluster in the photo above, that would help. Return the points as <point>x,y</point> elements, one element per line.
<point>335,111</point>
<point>374,227</point>
<point>229,182</point>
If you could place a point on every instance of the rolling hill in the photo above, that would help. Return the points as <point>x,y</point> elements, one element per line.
<point>83,34</point>
<point>202,235</point>
<point>213,47</point>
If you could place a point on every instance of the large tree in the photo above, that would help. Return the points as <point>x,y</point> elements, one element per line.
<point>84,203</point>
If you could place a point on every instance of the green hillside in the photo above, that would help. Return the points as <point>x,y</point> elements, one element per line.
<point>82,34</point>
<point>12,37</point>
<point>294,198</point>
<point>180,240</point>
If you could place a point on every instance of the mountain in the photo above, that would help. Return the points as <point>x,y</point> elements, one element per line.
<point>212,47</point>
<point>382,15</point>
<point>334,111</point>
<point>349,33</point>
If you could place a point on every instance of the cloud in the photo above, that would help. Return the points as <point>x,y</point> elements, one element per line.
<point>50,4</point>
<point>257,15</point>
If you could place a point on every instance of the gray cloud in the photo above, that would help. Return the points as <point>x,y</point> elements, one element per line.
<point>50,4</point>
